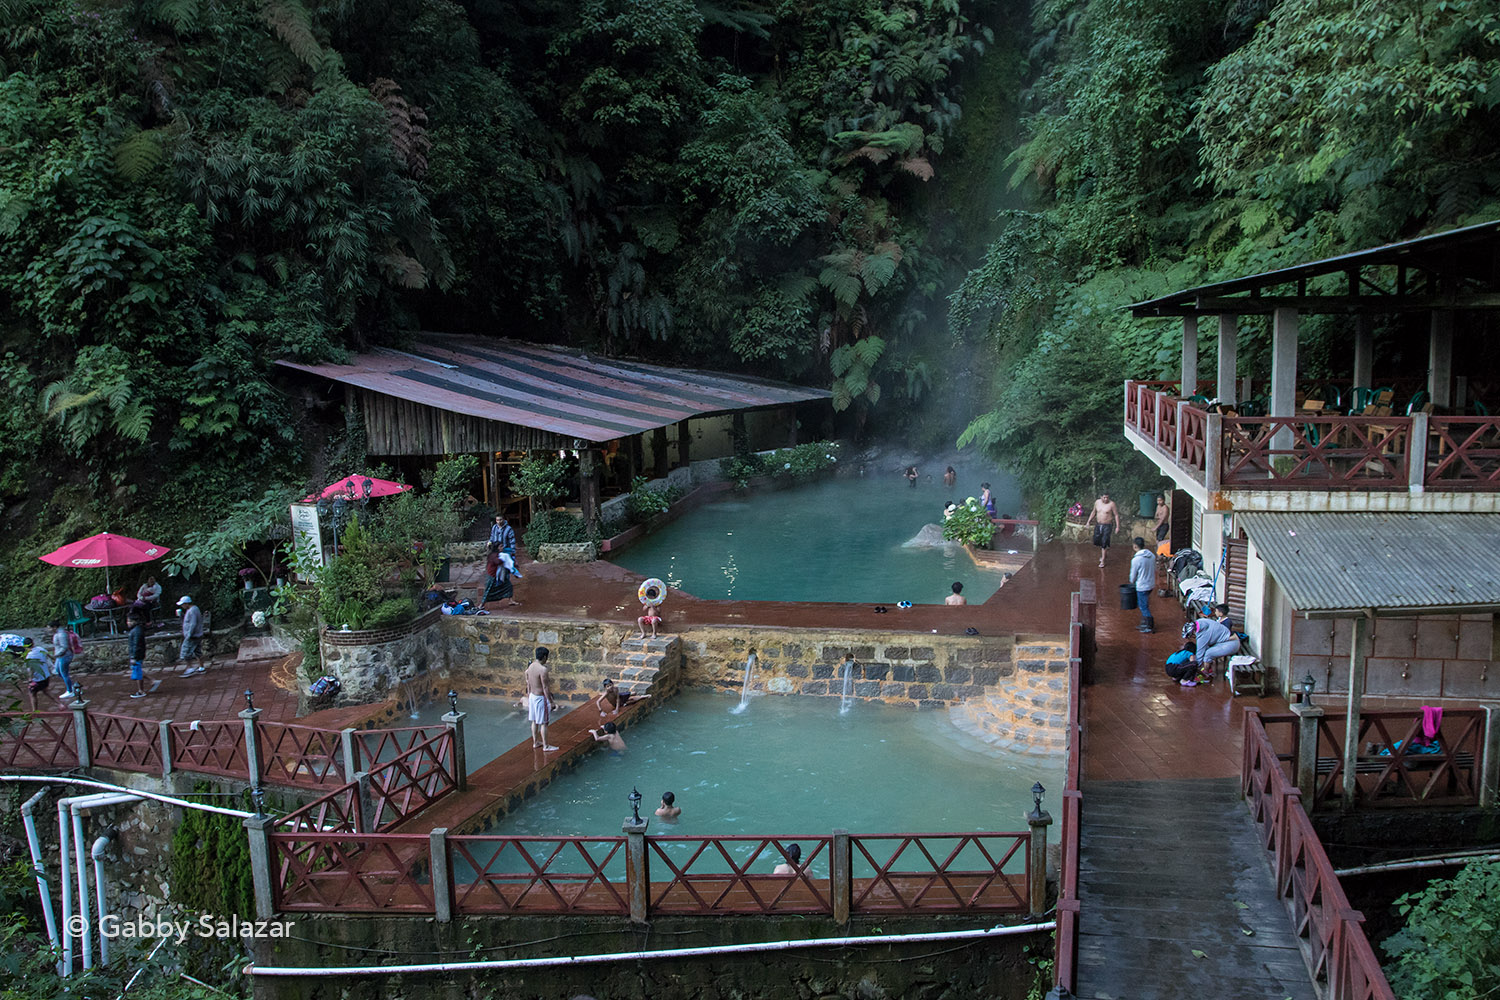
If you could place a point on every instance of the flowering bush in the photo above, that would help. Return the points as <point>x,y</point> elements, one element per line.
<point>970,523</point>
<point>802,462</point>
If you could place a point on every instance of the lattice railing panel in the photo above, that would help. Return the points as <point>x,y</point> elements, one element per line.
<point>927,872</point>
<point>125,743</point>
<point>539,874</point>
<point>330,873</point>
<point>42,741</point>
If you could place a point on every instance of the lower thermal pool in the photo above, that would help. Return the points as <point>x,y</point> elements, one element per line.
<point>791,766</point>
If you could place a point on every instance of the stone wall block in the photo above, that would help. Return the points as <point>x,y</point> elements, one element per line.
<point>903,673</point>
<point>822,671</point>
<point>797,670</point>
<point>866,689</point>
<point>875,671</point>
<point>958,675</point>
<point>929,674</point>
<point>921,653</point>
<point>986,676</point>
<point>899,653</point>
<point>815,688</point>
<point>890,690</point>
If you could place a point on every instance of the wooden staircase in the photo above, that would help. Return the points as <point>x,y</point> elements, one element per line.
<point>1029,714</point>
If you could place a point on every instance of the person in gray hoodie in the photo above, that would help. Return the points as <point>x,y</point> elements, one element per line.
<point>1143,578</point>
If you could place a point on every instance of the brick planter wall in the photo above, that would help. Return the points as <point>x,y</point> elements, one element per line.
<point>372,664</point>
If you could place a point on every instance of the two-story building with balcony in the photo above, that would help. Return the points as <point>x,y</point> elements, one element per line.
<point>1353,522</point>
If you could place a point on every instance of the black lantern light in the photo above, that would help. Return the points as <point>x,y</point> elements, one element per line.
<point>258,794</point>
<point>250,699</point>
<point>453,700</point>
<point>1307,688</point>
<point>1037,791</point>
<point>635,805</point>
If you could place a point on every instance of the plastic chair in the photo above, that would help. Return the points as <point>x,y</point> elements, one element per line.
<point>1333,397</point>
<point>1419,399</point>
<point>74,616</point>
<point>1480,410</point>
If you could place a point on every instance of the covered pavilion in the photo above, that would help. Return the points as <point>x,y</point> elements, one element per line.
<point>447,394</point>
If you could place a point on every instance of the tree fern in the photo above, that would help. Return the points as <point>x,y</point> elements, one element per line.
<point>182,15</point>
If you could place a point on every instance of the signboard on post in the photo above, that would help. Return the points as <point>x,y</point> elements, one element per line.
<point>307,534</point>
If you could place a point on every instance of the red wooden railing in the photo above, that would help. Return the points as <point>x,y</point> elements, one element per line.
<point>37,741</point>
<point>733,875</point>
<point>1340,956</point>
<point>122,742</point>
<point>1463,453</point>
<point>300,755</point>
<point>941,872</point>
<point>210,747</point>
<point>361,873</point>
<point>1080,648</point>
<point>1319,451</point>
<point>1268,453</point>
<point>539,875</point>
<point>411,782</point>
<point>1450,777</point>
<point>374,747</point>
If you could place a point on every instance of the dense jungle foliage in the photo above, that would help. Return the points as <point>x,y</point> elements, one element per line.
<point>1172,142</point>
<point>192,190</point>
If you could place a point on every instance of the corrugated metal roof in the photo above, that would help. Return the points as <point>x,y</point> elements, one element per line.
<point>1342,562</point>
<point>553,389</point>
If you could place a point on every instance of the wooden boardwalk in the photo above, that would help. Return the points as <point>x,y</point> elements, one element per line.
<point>1177,895</point>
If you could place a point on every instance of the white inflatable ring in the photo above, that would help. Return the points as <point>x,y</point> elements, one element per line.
<point>652,592</point>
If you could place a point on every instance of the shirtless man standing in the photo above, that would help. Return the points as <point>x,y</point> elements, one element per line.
<point>539,703</point>
<point>1105,517</point>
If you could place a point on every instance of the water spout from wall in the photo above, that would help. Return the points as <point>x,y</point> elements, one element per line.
<point>750,662</point>
<point>846,702</point>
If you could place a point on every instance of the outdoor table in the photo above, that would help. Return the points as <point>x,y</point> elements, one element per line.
<point>109,613</point>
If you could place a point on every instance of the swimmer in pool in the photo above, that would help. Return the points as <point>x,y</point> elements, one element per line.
<point>607,733</point>
<point>667,810</point>
<point>793,852</point>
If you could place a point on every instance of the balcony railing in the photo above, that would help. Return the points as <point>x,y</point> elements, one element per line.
<point>1425,452</point>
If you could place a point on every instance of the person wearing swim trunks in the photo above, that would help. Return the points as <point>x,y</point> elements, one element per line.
<point>539,703</point>
<point>649,616</point>
<point>1105,517</point>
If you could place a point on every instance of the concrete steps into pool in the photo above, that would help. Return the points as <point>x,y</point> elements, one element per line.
<point>639,662</point>
<point>1029,713</point>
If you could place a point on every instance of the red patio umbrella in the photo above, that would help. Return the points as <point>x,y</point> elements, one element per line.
<point>358,487</point>
<point>105,549</point>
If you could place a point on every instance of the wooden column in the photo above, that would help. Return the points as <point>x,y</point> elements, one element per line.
<point>660,467</point>
<point>739,436</point>
<point>1359,649</point>
<point>1189,385</point>
<point>1440,359</point>
<point>1229,338</point>
<point>1283,373</point>
<point>684,443</point>
<point>588,483</point>
<point>1364,352</point>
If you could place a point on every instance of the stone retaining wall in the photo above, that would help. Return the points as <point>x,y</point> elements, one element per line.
<point>373,664</point>
<point>487,655</point>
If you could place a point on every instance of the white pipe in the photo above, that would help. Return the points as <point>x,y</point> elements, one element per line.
<point>59,779</point>
<point>64,887</point>
<point>85,932</point>
<point>28,816</point>
<point>142,967</point>
<point>1439,861</point>
<point>98,855</point>
<point>64,806</point>
<point>633,956</point>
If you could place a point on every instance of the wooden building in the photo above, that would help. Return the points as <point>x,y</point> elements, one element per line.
<point>452,394</point>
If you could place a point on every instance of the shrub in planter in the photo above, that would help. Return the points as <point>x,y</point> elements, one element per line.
<point>740,469</point>
<point>648,502</point>
<point>396,611</point>
<point>553,527</point>
<point>970,524</point>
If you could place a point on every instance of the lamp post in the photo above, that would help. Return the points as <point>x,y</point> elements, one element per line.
<point>1306,688</point>
<point>453,700</point>
<point>637,864</point>
<point>249,699</point>
<point>1038,819</point>
<point>1308,718</point>
<point>635,805</point>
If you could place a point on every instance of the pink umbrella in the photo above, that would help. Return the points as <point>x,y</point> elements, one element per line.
<point>104,549</point>
<point>360,487</point>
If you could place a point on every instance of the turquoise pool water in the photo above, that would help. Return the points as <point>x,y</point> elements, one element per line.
<point>493,726</point>
<point>793,766</point>
<point>834,540</point>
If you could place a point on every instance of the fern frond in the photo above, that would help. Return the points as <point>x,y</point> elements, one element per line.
<point>407,125</point>
<point>918,166</point>
<point>139,154</point>
<point>291,23</point>
<point>182,15</point>
<point>403,271</point>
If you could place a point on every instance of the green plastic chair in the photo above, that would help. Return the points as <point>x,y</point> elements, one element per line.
<point>74,615</point>
<point>1480,410</point>
<point>1419,399</point>
<point>1333,398</point>
<point>1360,397</point>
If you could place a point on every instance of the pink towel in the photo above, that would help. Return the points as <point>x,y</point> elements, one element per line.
<point>1432,721</point>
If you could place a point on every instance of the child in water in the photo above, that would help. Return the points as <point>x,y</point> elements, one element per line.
<point>607,733</point>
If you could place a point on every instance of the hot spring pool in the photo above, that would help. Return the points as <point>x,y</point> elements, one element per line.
<point>834,540</point>
<point>790,765</point>
<point>493,726</point>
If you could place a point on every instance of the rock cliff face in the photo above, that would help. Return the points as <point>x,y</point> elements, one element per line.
<point>931,536</point>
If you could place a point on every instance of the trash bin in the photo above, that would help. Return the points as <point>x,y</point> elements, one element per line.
<point>1127,597</point>
<point>1148,504</point>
